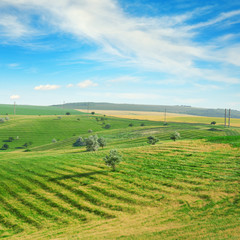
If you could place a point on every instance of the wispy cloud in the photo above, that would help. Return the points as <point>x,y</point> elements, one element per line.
<point>124,79</point>
<point>14,97</point>
<point>70,85</point>
<point>47,87</point>
<point>162,44</point>
<point>87,83</point>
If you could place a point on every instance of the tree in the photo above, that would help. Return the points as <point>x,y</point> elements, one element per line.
<point>5,146</point>
<point>92,143</point>
<point>175,136</point>
<point>68,113</point>
<point>213,123</point>
<point>152,140</point>
<point>79,142</point>
<point>142,124</point>
<point>102,142</point>
<point>92,113</point>
<point>107,126</point>
<point>10,139</point>
<point>113,159</point>
<point>130,125</point>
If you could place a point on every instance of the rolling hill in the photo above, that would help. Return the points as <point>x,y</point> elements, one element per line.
<point>151,108</point>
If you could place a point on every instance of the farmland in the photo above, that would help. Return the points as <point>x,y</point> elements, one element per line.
<point>186,189</point>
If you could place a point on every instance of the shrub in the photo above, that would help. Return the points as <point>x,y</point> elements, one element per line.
<point>152,140</point>
<point>213,123</point>
<point>5,146</point>
<point>92,113</point>
<point>90,130</point>
<point>142,124</point>
<point>130,125</point>
<point>68,113</point>
<point>102,142</point>
<point>59,118</point>
<point>2,120</point>
<point>78,119</point>
<point>113,159</point>
<point>107,126</point>
<point>54,140</point>
<point>92,143</point>
<point>175,136</point>
<point>79,142</point>
<point>10,139</point>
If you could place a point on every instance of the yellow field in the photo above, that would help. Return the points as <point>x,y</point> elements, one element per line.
<point>159,116</point>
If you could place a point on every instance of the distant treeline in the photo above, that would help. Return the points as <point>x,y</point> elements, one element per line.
<point>151,108</point>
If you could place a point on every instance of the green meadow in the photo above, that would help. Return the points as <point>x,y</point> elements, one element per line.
<point>184,189</point>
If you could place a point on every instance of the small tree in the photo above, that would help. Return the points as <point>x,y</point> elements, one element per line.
<point>10,139</point>
<point>107,126</point>
<point>102,142</point>
<point>152,140</point>
<point>142,124</point>
<point>130,125</point>
<point>5,146</point>
<point>92,143</point>
<point>213,123</point>
<point>68,113</point>
<point>92,113</point>
<point>113,159</point>
<point>175,136</point>
<point>79,142</point>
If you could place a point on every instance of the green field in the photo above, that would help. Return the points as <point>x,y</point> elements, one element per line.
<point>6,109</point>
<point>188,189</point>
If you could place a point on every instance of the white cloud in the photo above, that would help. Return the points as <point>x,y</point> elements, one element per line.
<point>14,97</point>
<point>164,44</point>
<point>70,85</point>
<point>47,87</point>
<point>12,27</point>
<point>13,65</point>
<point>87,83</point>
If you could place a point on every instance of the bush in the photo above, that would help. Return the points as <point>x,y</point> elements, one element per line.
<point>152,140</point>
<point>92,113</point>
<point>2,120</point>
<point>54,140</point>
<point>92,143</point>
<point>142,124</point>
<point>175,136</point>
<point>5,147</point>
<point>78,119</point>
<point>79,142</point>
<point>113,158</point>
<point>130,125</point>
<point>68,113</point>
<point>10,139</point>
<point>213,123</point>
<point>107,126</point>
<point>90,130</point>
<point>102,142</point>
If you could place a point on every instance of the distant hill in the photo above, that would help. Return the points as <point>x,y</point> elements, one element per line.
<point>151,108</point>
<point>7,109</point>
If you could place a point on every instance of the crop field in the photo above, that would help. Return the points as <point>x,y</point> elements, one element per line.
<point>184,189</point>
<point>170,117</point>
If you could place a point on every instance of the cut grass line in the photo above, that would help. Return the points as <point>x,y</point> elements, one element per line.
<point>19,214</point>
<point>9,225</point>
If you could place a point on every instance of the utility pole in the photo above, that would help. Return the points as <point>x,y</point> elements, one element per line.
<point>229,117</point>
<point>165,116</point>
<point>14,109</point>
<point>225,119</point>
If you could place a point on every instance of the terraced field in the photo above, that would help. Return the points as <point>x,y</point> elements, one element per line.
<point>188,189</point>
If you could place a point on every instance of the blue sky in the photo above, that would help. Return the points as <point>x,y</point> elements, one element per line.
<point>174,52</point>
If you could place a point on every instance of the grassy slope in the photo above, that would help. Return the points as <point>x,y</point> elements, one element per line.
<point>34,110</point>
<point>186,189</point>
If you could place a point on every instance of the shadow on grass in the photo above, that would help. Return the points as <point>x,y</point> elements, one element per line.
<point>80,175</point>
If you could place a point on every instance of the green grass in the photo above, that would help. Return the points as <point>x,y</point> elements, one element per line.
<point>186,189</point>
<point>6,109</point>
<point>233,140</point>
